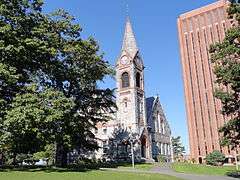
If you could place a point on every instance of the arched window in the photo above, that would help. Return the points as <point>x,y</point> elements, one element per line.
<point>125,80</point>
<point>138,80</point>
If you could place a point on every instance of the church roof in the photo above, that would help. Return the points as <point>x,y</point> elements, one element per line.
<point>150,103</point>
<point>129,41</point>
<point>149,106</point>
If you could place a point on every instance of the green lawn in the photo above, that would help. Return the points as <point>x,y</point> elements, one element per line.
<point>89,175</point>
<point>144,167</point>
<point>202,169</point>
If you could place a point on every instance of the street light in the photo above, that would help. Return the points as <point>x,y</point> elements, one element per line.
<point>132,139</point>
<point>236,160</point>
<point>132,152</point>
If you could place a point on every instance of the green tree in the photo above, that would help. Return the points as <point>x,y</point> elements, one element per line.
<point>119,145</point>
<point>32,122</point>
<point>48,86</point>
<point>215,158</point>
<point>225,58</point>
<point>8,82</point>
<point>178,148</point>
<point>48,154</point>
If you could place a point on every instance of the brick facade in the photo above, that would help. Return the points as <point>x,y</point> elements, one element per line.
<point>198,29</point>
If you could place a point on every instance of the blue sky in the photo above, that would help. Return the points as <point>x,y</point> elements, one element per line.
<point>154,24</point>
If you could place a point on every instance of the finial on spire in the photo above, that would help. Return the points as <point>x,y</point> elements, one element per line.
<point>129,41</point>
<point>127,8</point>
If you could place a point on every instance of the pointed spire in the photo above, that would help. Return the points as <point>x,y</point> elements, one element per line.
<point>129,41</point>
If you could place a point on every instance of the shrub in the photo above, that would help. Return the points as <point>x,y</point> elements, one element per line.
<point>235,174</point>
<point>161,158</point>
<point>215,158</point>
<point>85,163</point>
<point>193,161</point>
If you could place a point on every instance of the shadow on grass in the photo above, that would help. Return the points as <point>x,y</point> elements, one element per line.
<point>125,164</point>
<point>73,168</point>
<point>234,174</point>
<point>46,169</point>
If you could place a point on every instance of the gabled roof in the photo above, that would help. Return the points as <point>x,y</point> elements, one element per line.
<point>149,106</point>
<point>151,103</point>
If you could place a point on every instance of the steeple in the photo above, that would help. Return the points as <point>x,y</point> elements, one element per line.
<point>129,41</point>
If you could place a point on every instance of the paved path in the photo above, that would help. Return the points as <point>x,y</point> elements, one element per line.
<point>169,171</point>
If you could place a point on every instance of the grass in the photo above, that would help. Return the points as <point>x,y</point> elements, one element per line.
<point>143,167</point>
<point>88,175</point>
<point>203,169</point>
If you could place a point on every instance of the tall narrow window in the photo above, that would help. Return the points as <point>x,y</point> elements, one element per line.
<point>156,124</point>
<point>125,104</point>
<point>139,109</point>
<point>105,147</point>
<point>138,80</point>
<point>125,80</point>
<point>159,147</point>
<point>159,123</point>
<point>163,127</point>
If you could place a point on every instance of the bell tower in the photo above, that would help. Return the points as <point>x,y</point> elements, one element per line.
<point>130,94</point>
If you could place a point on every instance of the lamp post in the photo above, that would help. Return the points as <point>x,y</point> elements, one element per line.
<point>236,160</point>
<point>132,152</point>
<point>132,140</point>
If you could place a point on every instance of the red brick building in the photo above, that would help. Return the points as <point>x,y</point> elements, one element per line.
<point>198,29</point>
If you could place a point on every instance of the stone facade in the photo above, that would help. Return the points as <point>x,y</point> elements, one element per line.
<point>198,29</point>
<point>137,119</point>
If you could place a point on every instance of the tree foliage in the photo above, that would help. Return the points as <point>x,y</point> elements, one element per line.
<point>215,158</point>
<point>119,145</point>
<point>48,81</point>
<point>48,154</point>
<point>178,148</point>
<point>34,120</point>
<point>225,57</point>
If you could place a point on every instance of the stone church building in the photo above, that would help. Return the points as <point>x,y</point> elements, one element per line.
<point>138,119</point>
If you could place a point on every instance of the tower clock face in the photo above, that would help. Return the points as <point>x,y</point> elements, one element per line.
<point>124,60</point>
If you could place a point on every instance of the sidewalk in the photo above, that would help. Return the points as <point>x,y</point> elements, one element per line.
<point>169,171</point>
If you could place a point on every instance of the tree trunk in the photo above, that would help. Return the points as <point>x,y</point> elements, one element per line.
<point>61,156</point>
<point>14,159</point>
<point>1,159</point>
<point>47,162</point>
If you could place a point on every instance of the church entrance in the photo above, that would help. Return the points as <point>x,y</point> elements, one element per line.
<point>143,146</point>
